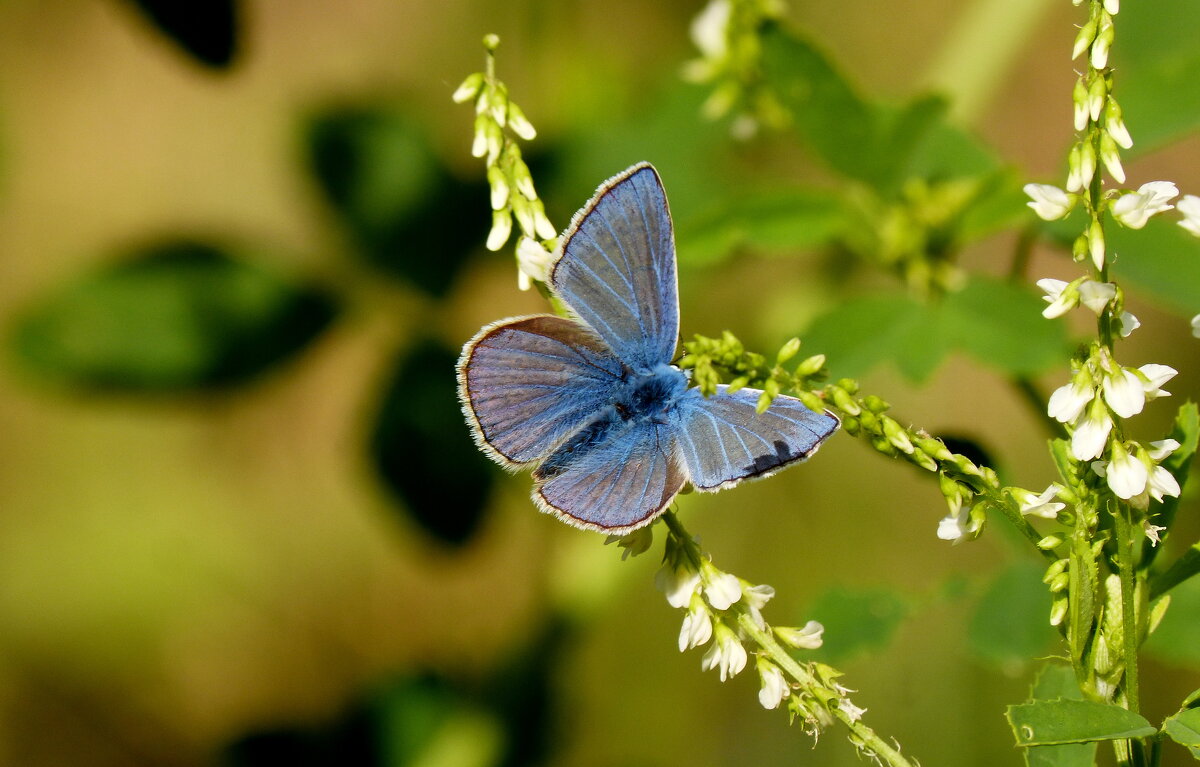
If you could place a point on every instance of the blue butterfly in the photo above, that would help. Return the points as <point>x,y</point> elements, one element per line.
<point>594,405</point>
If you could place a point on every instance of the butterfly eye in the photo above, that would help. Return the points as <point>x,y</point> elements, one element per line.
<point>622,411</point>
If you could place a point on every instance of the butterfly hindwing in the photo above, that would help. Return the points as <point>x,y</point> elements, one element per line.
<point>614,475</point>
<point>723,439</point>
<point>528,383</point>
<point>617,269</point>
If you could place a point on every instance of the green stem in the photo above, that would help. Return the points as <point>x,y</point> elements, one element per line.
<point>1180,570</point>
<point>872,744</point>
<point>1129,638</point>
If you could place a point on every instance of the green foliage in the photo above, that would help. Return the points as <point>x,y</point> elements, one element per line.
<point>1159,64</point>
<point>421,452</point>
<point>1177,638</point>
<point>173,317</point>
<point>1057,682</point>
<point>856,621</point>
<point>1054,722</point>
<point>1184,728</point>
<point>996,322</point>
<point>1162,259</point>
<point>401,206</point>
<point>1009,625</point>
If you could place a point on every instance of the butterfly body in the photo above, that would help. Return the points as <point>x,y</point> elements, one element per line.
<point>592,402</point>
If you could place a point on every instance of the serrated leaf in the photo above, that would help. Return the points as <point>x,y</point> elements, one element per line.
<point>774,221</point>
<point>1184,728</point>
<point>174,317</point>
<point>1009,624</point>
<point>1044,723</point>
<point>1057,681</point>
<point>856,620</point>
<point>403,209</point>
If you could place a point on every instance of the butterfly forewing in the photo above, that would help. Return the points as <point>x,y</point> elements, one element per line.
<point>723,439</point>
<point>528,383</point>
<point>617,269</point>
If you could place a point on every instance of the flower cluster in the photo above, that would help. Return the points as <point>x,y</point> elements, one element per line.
<point>725,613</point>
<point>498,123</point>
<point>726,33</point>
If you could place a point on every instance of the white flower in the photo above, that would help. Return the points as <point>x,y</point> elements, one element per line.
<point>1124,392</point>
<point>1127,323</point>
<point>1152,532</point>
<point>709,29</point>
<point>774,687</point>
<point>1096,295</point>
<point>1091,432</point>
<point>1162,482</point>
<point>1069,400</point>
<point>1126,475</point>
<point>853,712</point>
<point>1112,6</point>
<point>1114,123</point>
<point>722,589</point>
<point>1156,375</point>
<point>1162,448</point>
<point>1196,326</point>
<point>1189,206</point>
<point>725,654</point>
<point>1061,299</point>
<point>1095,239</point>
<point>501,228</point>
<point>1049,202</point>
<point>1039,505</point>
<point>756,598</point>
<point>1134,209</point>
<point>808,637</point>
<point>533,263</point>
<point>697,625</point>
<point>677,583</point>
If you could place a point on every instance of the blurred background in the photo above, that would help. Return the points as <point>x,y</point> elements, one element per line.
<point>241,243</point>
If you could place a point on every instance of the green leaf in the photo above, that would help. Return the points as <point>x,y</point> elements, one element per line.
<point>860,333</point>
<point>422,449</point>
<point>403,209</point>
<point>1082,571</point>
<point>1184,728</point>
<point>774,221</point>
<point>1057,681</point>
<point>1001,325</point>
<point>1162,259</point>
<point>178,316</point>
<point>1177,638</point>
<point>1009,625</point>
<point>856,621</point>
<point>1043,723</point>
<point>997,323</point>
<point>1158,66</point>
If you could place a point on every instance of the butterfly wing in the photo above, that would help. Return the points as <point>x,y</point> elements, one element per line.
<point>529,382</point>
<point>723,439</point>
<point>614,475</point>
<point>617,269</point>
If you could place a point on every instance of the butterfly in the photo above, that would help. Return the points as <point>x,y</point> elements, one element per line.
<point>593,404</point>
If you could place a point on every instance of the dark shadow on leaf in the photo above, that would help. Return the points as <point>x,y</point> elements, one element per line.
<point>422,449</point>
<point>403,208</point>
<point>179,316</point>
<point>207,31</point>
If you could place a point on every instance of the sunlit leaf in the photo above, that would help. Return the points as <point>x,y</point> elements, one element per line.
<point>422,448</point>
<point>179,316</point>
<point>1158,66</point>
<point>1009,625</point>
<point>1001,325</point>
<point>208,30</point>
<point>1161,259</point>
<point>1057,682</point>
<point>856,620</point>
<point>1177,638</point>
<point>771,222</point>
<point>1184,728</point>
<point>1051,722</point>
